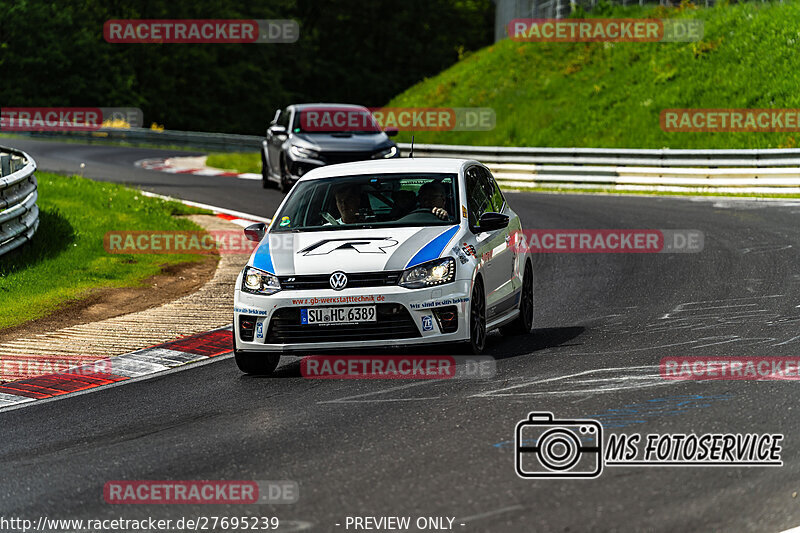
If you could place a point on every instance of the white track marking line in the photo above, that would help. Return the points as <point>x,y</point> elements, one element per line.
<point>487,514</point>
<point>241,222</point>
<point>209,207</point>
<point>207,172</point>
<point>644,349</point>
<point>734,339</point>
<point>158,165</point>
<point>682,306</point>
<point>568,376</point>
<point>787,342</point>
<point>351,399</point>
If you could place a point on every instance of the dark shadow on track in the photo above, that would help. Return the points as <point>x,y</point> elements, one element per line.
<point>497,346</point>
<point>540,339</point>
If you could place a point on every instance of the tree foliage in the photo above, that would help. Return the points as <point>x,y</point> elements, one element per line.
<point>53,53</point>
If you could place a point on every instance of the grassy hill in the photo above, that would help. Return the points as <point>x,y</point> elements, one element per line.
<point>611,94</point>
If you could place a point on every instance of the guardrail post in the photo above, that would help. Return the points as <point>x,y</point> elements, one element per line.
<point>5,165</point>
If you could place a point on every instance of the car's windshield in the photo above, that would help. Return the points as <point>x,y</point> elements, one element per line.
<point>370,200</point>
<point>332,119</point>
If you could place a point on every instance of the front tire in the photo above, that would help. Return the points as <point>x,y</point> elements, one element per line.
<point>285,187</point>
<point>523,324</point>
<point>265,181</point>
<point>256,363</point>
<point>477,319</point>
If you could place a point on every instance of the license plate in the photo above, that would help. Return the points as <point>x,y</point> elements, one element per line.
<point>338,315</point>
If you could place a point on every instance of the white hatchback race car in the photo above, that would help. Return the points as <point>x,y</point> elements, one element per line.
<point>381,254</point>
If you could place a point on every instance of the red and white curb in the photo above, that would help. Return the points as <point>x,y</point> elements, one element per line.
<point>164,165</point>
<point>236,217</point>
<point>141,364</point>
<point>116,369</point>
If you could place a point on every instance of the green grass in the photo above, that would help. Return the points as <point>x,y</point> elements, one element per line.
<point>611,94</point>
<point>236,161</point>
<point>66,258</point>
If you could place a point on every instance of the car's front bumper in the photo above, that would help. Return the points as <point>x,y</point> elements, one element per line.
<point>300,166</point>
<point>422,308</point>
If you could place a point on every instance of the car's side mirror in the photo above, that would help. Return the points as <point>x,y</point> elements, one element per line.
<point>255,232</point>
<point>492,222</point>
<point>277,130</point>
<point>391,132</point>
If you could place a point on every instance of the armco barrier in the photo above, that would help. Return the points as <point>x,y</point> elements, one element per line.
<point>755,170</point>
<point>664,157</point>
<point>220,142</point>
<point>19,214</point>
<point>747,171</point>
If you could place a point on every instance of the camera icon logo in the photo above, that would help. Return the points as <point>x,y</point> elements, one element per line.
<point>546,448</point>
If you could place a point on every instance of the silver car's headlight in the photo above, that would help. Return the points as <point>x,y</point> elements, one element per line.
<point>257,281</point>
<point>428,274</point>
<point>389,152</point>
<point>308,153</point>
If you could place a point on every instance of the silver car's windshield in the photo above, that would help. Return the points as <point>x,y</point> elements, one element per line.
<point>370,200</point>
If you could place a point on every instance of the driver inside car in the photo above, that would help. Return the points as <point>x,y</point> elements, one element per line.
<point>348,200</point>
<point>433,196</point>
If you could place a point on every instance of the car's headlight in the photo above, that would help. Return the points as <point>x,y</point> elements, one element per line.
<point>299,151</point>
<point>428,274</point>
<point>259,282</point>
<point>389,152</point>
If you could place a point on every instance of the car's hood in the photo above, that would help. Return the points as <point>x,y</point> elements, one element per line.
<point>343,142</point>
<point>363,250</point>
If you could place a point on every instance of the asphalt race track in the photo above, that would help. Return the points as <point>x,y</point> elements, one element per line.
<point>445,447</point>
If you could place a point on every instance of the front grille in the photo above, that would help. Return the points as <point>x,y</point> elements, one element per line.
<point>332,158</point>
<point>393,322</point>
<point>354,280</point>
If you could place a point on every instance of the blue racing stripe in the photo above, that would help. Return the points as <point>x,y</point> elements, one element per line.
<point>262,260</point>
<point>433,249</point>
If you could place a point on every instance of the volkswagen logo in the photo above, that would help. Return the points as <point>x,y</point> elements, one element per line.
<point>338,281</point>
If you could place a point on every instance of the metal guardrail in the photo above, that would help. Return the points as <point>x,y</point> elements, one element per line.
<point>761,170</point>
<point>221,142</point>
<point>664,157</point>
<point>19,214</point>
